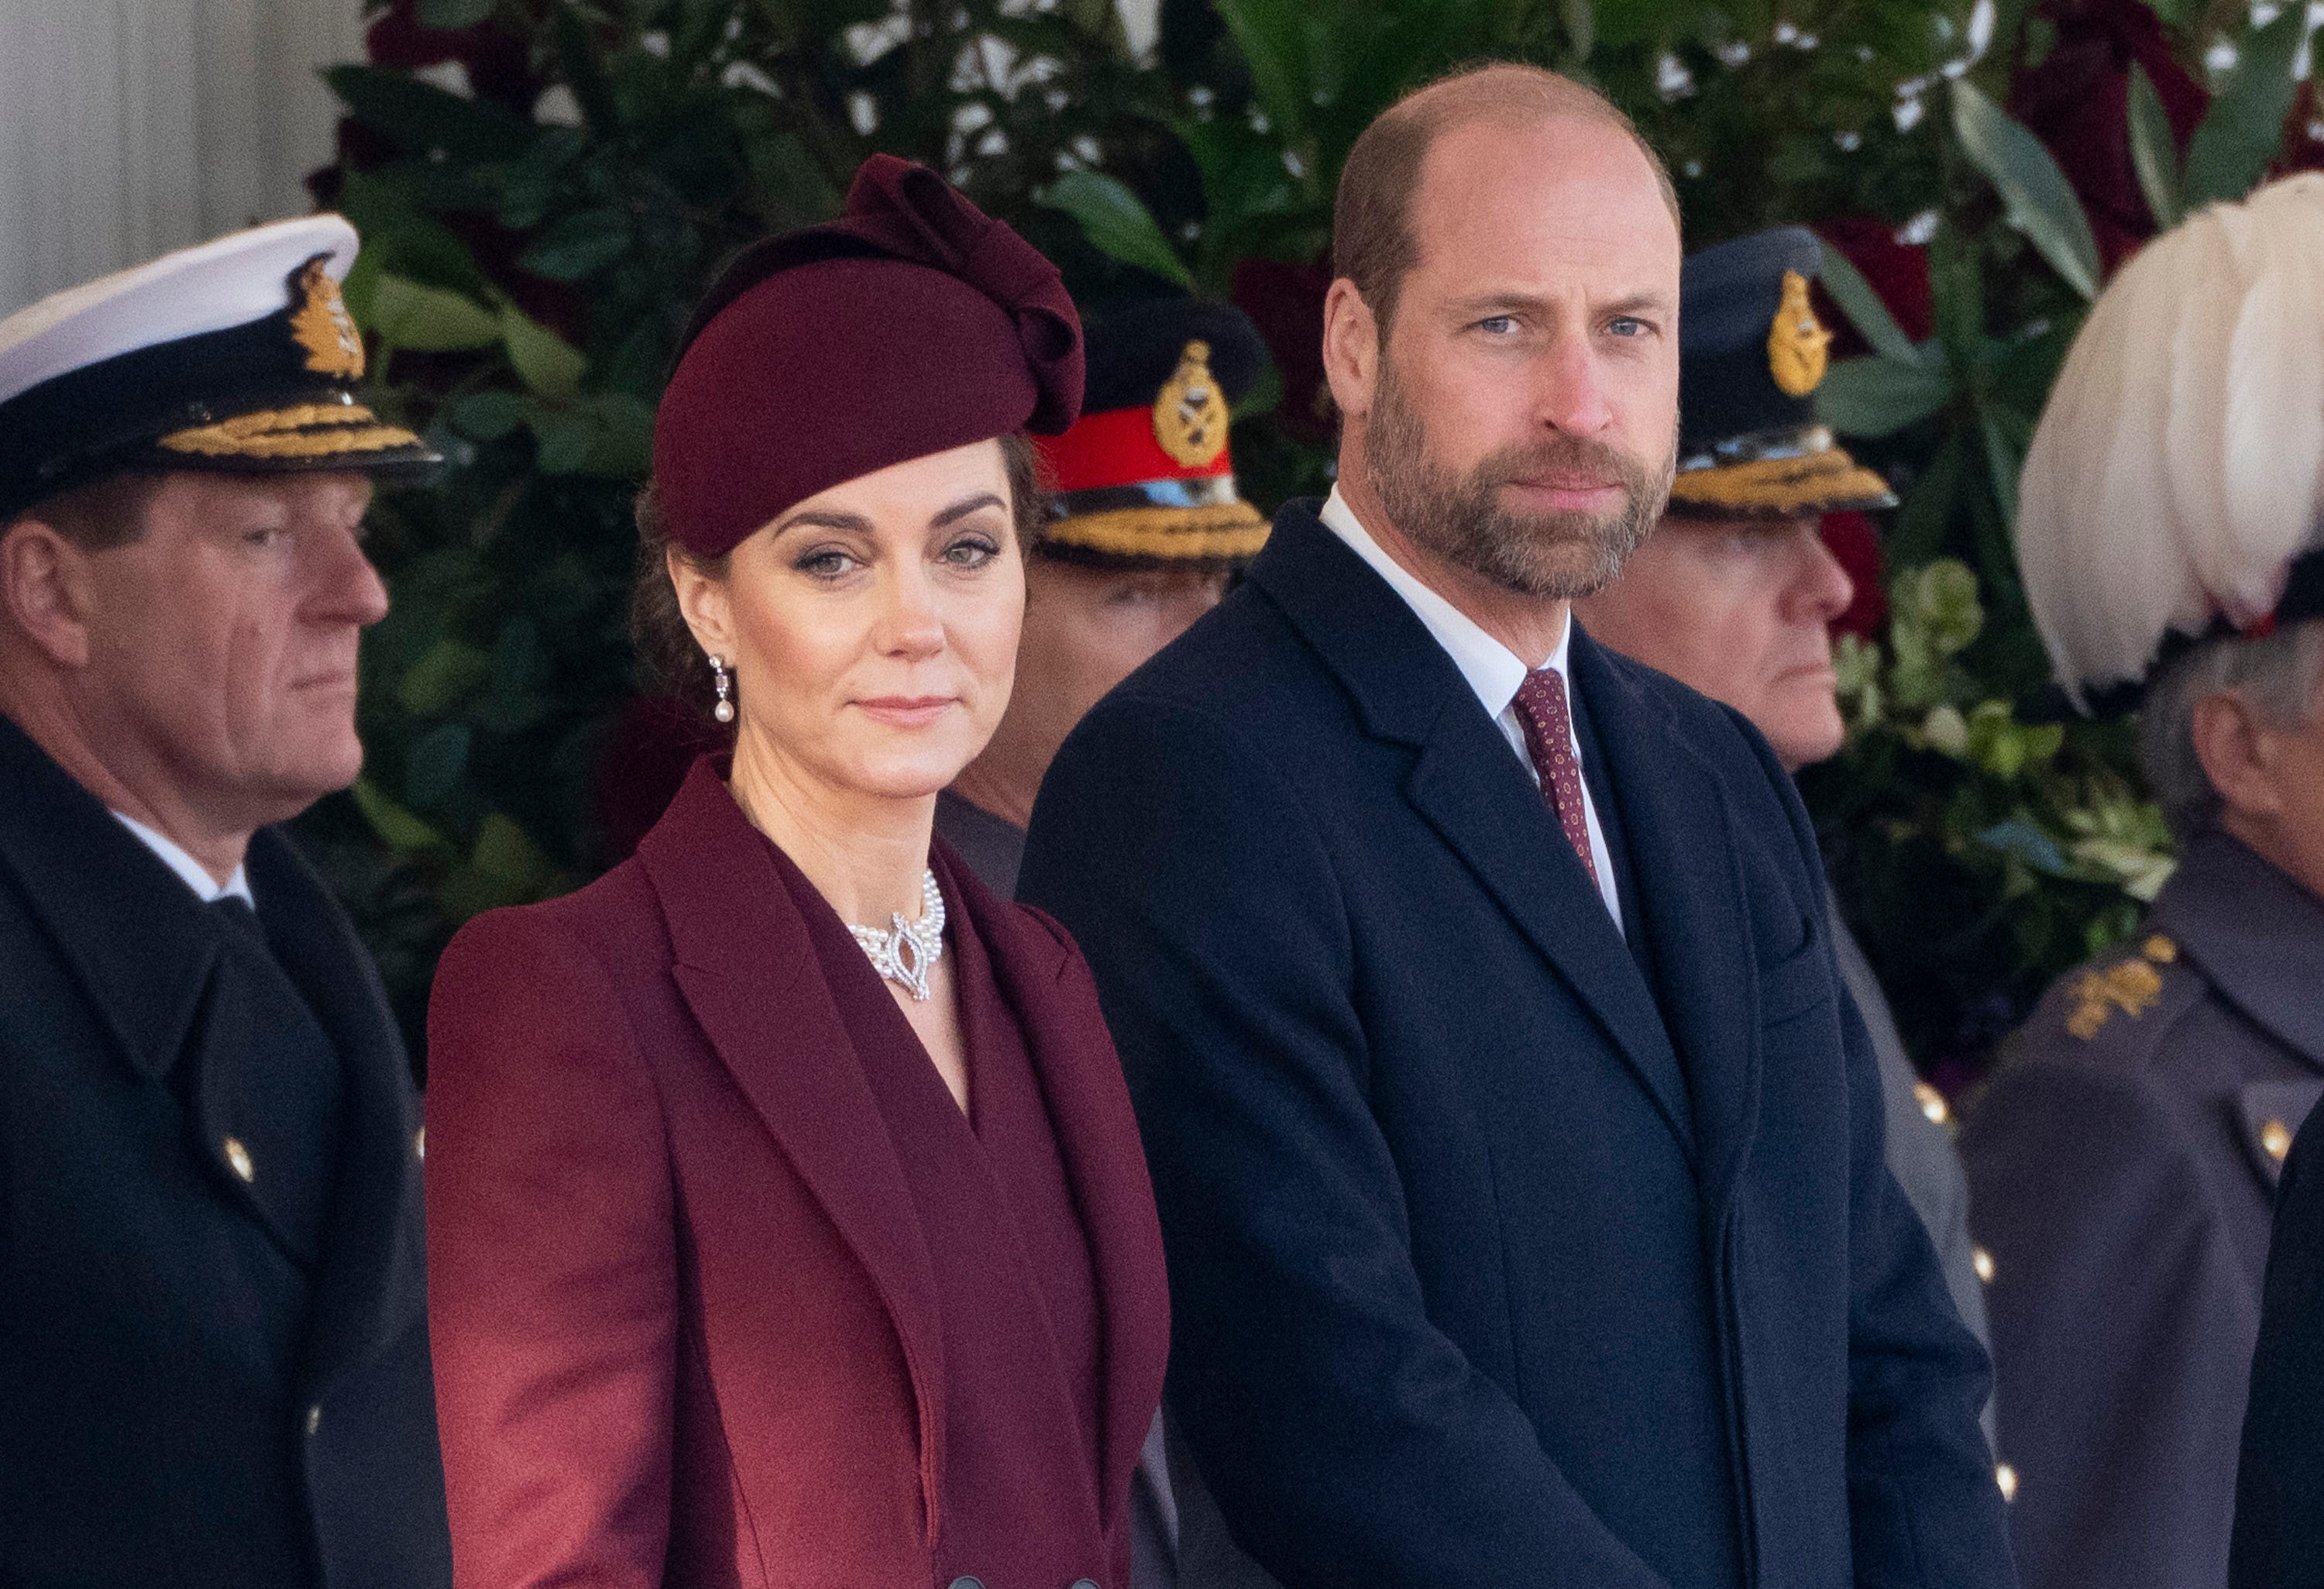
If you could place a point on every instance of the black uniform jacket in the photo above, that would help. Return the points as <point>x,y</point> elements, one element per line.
<point>2122,1168</point>
<point>182,1401</point>
<point>1503,1250</point>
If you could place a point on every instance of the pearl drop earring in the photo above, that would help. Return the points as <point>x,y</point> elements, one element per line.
<point>724,682</point>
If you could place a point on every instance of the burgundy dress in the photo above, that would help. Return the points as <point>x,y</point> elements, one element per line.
<point>724,1290</point>
<point>1014,1286</point>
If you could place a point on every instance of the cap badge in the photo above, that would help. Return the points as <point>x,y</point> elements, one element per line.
<point>320,323</point>
<point>1798,347</point>
<point>1190,416</point>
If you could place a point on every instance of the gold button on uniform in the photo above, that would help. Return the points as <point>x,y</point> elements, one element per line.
<point>420,1143</point>
<point>2276,1138</point>
<point>315,1418</point>
<point>1931,1102</point>
<point>238,1157</point>
<point>2006,1477</point>
<point>1981,1261</point>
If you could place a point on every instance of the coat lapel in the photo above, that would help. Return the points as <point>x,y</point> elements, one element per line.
<point>1685,851</point>
<point>370,1281</point>
<point>134,934</point>
<point>1468,785</point>
<point>1097,1137</point>
<point>745,964</point>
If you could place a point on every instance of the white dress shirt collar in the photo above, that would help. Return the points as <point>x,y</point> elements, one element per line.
<point>1492,669</point>
<point>208,889</point>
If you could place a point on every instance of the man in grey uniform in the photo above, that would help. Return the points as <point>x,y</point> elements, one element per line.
<point>2123,1159</point>
<point>1735,593</point>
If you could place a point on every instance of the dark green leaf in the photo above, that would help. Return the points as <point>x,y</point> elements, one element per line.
<point>421,116</point>
<point>2152,153</point>
<point>579,245</point>
<point>1117,223</point>
<point>547,364</point>
<point>1864,309</point>
<point>566,441</point>
<point>583,74</point>
<point>1879,396</point>
<point>428,319</point>
<point>2232,149</point>
<point>488,416</point>
<point>397,828</point>
<point>2041,203</point>
<point>1920,529</point>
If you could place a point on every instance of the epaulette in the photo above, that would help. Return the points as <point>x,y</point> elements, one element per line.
<point>2130,990</point>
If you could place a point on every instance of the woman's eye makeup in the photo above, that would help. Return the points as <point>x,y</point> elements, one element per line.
<point>824,562</point>
<point>972,551</point>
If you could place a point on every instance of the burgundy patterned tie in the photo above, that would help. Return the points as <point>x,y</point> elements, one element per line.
<point>1549,740</point>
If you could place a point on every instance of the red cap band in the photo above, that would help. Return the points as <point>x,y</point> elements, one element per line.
<point>1119,447</point>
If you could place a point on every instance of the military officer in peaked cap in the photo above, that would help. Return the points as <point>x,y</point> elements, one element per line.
<point>2121,1159</point>
<point>1735,593</point>
<point>212,1352</point>
<point>1146,529</point>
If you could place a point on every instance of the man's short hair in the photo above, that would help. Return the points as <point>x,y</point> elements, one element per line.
<point>100,515</point>
<point>2279,677</point>
<point>1373,240</point>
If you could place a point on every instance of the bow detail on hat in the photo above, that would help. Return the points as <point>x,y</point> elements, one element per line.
<point>910,213</point>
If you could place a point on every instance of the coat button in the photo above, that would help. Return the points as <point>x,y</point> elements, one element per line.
<point>1931,1103</point>
<point>1981,1261</point>
<point>420,1143</point>
<point>238,1157</point>
<point>315,1418</point>
<point>2005,1477</point>
<point>2276,1137</point>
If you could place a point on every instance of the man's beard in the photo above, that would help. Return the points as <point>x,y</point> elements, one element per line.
<point>1558,555</point>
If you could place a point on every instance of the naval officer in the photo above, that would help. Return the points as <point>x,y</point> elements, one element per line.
<point>212,1345</point>
<point>2123,1159</point>
<point>1735,593</point>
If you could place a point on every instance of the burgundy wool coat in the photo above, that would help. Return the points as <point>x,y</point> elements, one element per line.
<point>684,1324</point>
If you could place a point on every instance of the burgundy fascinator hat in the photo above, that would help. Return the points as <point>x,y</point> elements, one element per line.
<point>913,324</point>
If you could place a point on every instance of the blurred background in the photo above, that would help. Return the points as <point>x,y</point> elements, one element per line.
<point>543,187</point>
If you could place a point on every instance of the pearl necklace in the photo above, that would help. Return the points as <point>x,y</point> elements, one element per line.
<point>906,952</point>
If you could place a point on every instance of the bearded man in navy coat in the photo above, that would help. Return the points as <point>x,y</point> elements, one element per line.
<point>1519,1161</point>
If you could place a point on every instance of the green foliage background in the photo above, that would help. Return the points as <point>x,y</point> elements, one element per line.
<point>545,186</point>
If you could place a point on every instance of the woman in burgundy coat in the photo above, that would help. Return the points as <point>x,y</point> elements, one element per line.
<point>787,1219</point>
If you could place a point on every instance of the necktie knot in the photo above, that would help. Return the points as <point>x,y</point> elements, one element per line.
<point>1548,724</point>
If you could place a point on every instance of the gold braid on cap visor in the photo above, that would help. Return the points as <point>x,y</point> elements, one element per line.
<point>1779,487</point>
<point>1225,531</point>
<point>312,431</point>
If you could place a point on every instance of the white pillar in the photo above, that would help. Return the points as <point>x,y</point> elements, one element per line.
<point>130,127</point>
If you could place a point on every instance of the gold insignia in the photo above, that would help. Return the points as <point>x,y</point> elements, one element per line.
<point>312,431</point>
<point>2131,987</point>
<point>320,323</point>
<point>2276,1137</point>
<point>1798,347</point>
<point>1190,417</point>
<point>2160,949</point>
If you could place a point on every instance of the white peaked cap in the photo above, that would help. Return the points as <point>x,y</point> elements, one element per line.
<point>214,286</point>
<point>2178,465</point>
